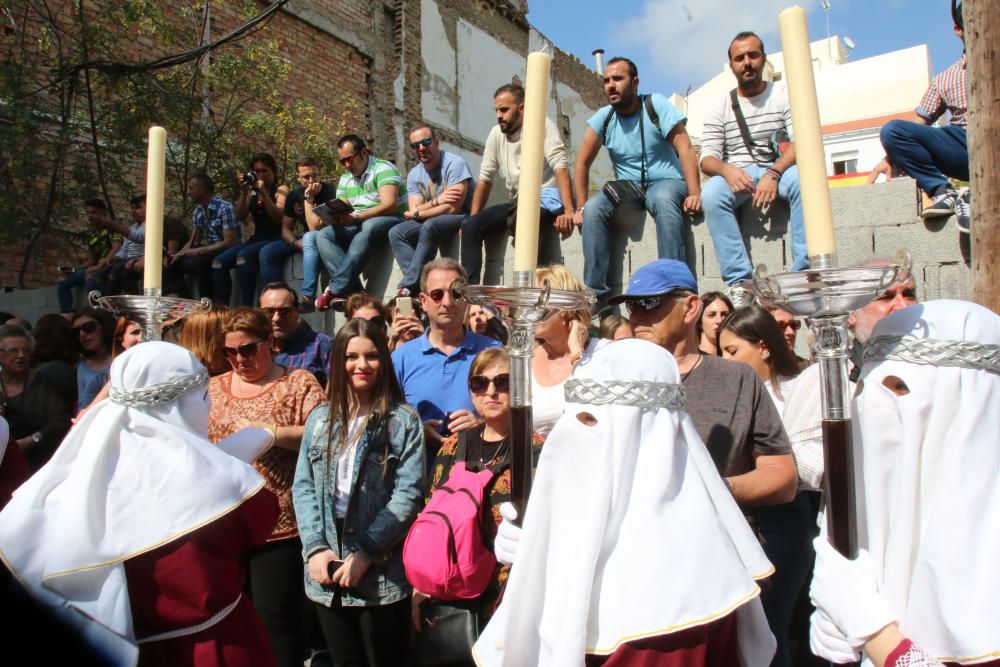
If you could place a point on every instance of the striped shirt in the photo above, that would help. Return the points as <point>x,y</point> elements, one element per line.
<point>362,191</point>
<point>948,92</point>
<point>213,219</point>
<point>765,114</point>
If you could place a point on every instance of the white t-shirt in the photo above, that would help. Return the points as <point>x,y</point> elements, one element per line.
<point>345,465</point>
<point>547,403</point>
<point>764,114</point>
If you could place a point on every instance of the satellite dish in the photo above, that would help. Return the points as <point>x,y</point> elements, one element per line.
<point>849,42</point>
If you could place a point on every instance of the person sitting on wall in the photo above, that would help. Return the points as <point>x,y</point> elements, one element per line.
<point>299,214</point>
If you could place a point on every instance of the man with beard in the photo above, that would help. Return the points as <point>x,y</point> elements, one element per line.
<point>439,191</point>
<point>649,146</point>
<point>502,153</point>
<point>747,153</point>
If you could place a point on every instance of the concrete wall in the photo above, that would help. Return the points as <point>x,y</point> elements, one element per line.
<point>874,220</point>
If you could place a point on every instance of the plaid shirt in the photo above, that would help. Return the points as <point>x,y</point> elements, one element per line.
<point>219,215</point>
<point>948,92</point>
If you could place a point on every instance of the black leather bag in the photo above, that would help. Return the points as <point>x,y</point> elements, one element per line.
<point>447,634</point>
<point>629,197</point>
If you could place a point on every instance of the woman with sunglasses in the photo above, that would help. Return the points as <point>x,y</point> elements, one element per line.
<point>34,408</point>
<point>751,335</point>
<point>93,329</point>
<point>486,446</point>
<point>714,308</point>
<point>562,340</point>
<point>258,392</point>
<point>263,199</point>
<point>358,486</point>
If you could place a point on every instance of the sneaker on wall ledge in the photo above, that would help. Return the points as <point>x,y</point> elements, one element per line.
<point>943,204</point>
<point>740,294</point>
<point>962,207</point>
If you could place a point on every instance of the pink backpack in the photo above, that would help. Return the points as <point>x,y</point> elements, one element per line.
<point>444,554</point>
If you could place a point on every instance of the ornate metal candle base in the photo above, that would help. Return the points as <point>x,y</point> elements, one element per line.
<point>152,311</point>
<point>826,297</point>
<point>523,307</point>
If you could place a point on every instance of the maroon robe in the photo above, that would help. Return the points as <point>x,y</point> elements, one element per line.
<point>710,645</point>
<point>188,581</point>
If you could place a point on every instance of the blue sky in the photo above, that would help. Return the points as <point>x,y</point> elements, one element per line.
<point>681,43</point>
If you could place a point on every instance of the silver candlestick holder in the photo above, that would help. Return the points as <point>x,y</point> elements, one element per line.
<point>151,310</point>
<point>826,296</point>
<point>522,308</point>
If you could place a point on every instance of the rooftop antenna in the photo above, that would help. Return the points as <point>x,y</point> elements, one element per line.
<point>826,13</point>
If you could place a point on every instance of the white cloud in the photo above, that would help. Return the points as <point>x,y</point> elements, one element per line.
<point>686,40</point>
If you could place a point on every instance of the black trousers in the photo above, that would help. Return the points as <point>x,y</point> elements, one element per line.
<point>278,594</point>
<point>122,280</point>
<point>199,265</point>
<point>362,636</point>
<point>477,227</point>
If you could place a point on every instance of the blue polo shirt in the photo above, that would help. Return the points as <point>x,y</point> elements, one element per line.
<point>434,383</point>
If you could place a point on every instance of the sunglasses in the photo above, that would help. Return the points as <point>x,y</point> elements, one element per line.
<point>283,312</point>
<point>643,304</point>
<point>87,328</point>
<point>794,324</point>
<point>437,294</point>
<point>246,350</point>
<point>426,143</point>
<point>379,321</point>
<point>347,159</point>
<point>479,384</point>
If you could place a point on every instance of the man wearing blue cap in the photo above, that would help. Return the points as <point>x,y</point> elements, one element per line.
<point>729,405</point>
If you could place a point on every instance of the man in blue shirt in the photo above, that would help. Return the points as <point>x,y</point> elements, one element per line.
<point>295,344</point>
<point>433,370</point>
<point>654,153</point>
<point>439,192</point>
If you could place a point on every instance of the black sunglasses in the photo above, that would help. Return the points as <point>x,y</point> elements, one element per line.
<point>643,304</point>
<point>479,384</point>
<point>283,312</point>
<point>348,159</point>
<point>245,350</point>
<point>423,142</point>
<point>794,324</point>
<point>437,294</point>
<point>87,328</point>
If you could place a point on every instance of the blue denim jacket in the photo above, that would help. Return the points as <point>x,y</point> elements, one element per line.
<point>386,496</point>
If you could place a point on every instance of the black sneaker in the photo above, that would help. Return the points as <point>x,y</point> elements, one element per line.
<point>962,212</point>
<point>943,205</point>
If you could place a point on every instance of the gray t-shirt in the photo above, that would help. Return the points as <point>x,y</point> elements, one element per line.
<point>734,414</point>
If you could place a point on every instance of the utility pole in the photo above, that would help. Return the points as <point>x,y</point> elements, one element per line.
<point>982,36</point>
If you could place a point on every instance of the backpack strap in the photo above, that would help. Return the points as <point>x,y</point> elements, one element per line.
<point>647,103</point>
<point>744,130</point>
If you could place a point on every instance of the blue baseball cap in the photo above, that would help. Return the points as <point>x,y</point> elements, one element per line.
<point>656,279</point>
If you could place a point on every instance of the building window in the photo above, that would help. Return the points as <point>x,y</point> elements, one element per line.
<point>845,163</point>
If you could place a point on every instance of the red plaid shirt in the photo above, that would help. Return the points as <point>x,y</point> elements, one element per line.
<point>947,92</point>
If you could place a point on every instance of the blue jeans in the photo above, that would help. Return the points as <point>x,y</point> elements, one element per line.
<point>720,205</point>
<point>415,243</point>
<point>272,259</point>
<point>75,279</point>
<point>243,256</point>
<point>345,250</point>
<point>491,219</point>
<point>664,200</point>
<point>310,264</point>
<point>927,153</point>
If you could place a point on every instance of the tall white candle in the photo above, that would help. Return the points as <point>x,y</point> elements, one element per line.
<point>152,277</point>
<point>529,187</point>
<point>809,157</point>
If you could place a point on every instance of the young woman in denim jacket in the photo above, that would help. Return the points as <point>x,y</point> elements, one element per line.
<point>358,486</point>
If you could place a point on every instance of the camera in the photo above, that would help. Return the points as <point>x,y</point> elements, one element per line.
<point>248,178</point>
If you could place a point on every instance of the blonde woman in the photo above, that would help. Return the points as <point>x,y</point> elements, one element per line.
<point>201,334</point>
<point>562,340</point>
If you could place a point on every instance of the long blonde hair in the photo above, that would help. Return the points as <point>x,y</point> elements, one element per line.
<point>560,277</point>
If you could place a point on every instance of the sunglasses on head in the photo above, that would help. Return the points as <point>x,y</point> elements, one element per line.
<point>426,143</point>
<point>245,350</point>
<point>282,312</point>
<point>479,384</point>
<point>437,294</point>
<point>87,328</point>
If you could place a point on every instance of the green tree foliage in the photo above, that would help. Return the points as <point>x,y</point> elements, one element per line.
<point>77,97</point>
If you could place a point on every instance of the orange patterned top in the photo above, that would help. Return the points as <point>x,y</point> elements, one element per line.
<point>287,402</point>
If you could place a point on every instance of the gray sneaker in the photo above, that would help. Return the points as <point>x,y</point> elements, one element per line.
<point>740,294</point>
<point>962,211</point>
<point>943,205</point>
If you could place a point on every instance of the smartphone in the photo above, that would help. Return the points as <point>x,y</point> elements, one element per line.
<point>404,305</point>
<point>333,566</point>
<point>443,428</point>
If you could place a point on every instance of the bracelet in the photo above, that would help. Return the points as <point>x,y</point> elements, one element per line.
<point>773,173</point>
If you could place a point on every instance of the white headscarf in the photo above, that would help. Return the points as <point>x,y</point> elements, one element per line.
<point>125,480</point>
<point>629,533</point>
<point>929,504</point>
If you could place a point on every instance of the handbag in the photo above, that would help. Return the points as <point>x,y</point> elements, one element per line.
<point>629,197</point>
<point>447,634</point>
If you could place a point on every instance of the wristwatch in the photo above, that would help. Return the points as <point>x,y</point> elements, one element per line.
<point>356,215</point>
<point>417,216</point>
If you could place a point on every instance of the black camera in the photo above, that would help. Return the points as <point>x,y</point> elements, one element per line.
<point>248,178</point>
